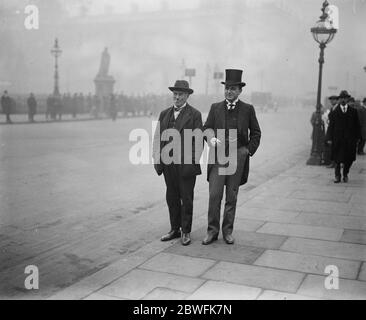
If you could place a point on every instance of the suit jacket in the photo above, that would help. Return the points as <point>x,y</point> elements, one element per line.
<point>344,132</point>
<point>248,132</point>
<point>189,118</point>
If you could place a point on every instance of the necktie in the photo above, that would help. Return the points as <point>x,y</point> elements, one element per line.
<point>231,106</point>
<point>177,109</point>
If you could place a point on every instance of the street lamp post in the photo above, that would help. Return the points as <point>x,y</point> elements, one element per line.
<point>56,52</point>
<point>323,33</point>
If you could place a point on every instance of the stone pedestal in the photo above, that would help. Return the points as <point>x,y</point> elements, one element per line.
<point>104,86</point>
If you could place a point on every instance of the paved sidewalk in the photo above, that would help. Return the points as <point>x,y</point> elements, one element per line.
<point>287,231</point>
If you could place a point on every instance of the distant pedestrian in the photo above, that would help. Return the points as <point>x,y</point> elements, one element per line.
<point>343,134</point>
<point>327,149</point>
<point>6,105</point>
<point>32,107</point>
<point>361,111</point>
<point>113,107</point>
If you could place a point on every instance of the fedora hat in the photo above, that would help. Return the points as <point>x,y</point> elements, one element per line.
<point>344,94</point>
<point>333,97</point>
<point>181,85</point>
<point>233,78</point>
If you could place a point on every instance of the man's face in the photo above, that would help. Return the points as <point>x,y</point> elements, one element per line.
<point>343,101</point>
<point>232,92</point>
<point>180,98</point>
<point>333,102</point>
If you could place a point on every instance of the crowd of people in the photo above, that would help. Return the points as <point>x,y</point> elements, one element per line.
<point>53,107</point>
<point>344,123</point>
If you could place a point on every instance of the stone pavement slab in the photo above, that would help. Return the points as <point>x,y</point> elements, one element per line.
<point>138,283</point>
<point>277,295</point>
<point>307,263</point>
<point>258,240</point>
<point>348,289</point>
<point>177,264</point>
<point>261,277</point>
<point>331,221</point>
<point>110,273</point>
<point>362,275</point>
<point>354,236</point>
<point>296,205</point>
<point>264,214</point>
<point>297,230</point>
<point>341,250</point>
<point>219,290</point>
<point>218,251</point>
<point>97,296</point>
<point>165,294</point>
<point>320,195</point>
<point>358,209</point>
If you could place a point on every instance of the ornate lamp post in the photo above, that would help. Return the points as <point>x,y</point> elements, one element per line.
<point>323,33</point>
<point>56,52</point>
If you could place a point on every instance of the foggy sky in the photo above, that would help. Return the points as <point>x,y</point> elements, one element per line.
<point>269,40</point>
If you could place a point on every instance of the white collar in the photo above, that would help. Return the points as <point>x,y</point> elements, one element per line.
<point>180,109</point>
<point>228,103</point>
<point>345,107</point>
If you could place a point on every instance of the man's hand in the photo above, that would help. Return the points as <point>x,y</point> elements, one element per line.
<point>329,142</point>
<point>214,141</point>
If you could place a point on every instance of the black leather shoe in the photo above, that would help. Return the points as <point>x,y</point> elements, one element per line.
<point>186,239</point>
<point>337,180</point>
<point>173,234</point>
<point>345,179</point>
<point>209,239</point>
<point>229,239</point>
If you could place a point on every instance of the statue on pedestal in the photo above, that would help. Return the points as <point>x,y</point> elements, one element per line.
<point>103,81</point>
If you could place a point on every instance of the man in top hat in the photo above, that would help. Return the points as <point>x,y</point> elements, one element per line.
<point>179,169</point>
<point>229,115</point>
<point>343,133</point>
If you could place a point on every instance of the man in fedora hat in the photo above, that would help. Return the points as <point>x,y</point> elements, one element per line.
<point>230,115</point>
<point>179,174</point>
<point>342,134</point>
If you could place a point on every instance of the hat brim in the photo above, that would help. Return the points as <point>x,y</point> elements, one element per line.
<point>241,84</point>
<point>187,90</point>
<point>344,96</point>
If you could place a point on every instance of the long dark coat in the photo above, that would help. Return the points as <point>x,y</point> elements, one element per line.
<point>344,132</point>
<point>189,118</point>
<point>32,105</point>
<point>6,104</point>
<point>248,132</point>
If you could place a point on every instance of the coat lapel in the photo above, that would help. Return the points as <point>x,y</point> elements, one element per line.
<point>221,115</point>
<point>241,116</point>
<point>165,121</point>
<point>183,117</point>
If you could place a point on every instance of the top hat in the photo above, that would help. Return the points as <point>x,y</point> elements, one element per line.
<point>344,94</point>
<point>181,85</point>
<point>233,78</point>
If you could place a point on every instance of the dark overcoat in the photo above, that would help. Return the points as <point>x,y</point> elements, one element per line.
<point>344,132</point>
<point>32,105</point>
<point>6,104</point>
<point>249,132</point>
<point>189,118</point>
